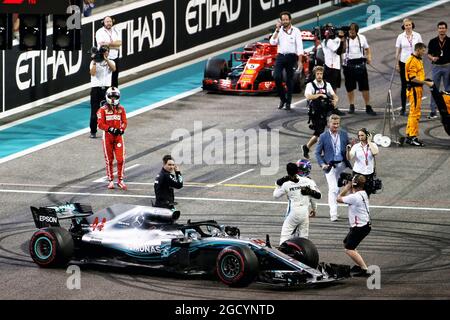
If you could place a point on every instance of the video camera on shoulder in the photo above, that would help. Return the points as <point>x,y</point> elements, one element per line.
<point>98,55</point>
<point>329,31</point>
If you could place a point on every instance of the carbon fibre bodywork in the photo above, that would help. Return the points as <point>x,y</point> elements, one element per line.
<point>131,235</point>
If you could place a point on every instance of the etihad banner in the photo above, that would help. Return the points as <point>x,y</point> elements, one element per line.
<point>153,32</point>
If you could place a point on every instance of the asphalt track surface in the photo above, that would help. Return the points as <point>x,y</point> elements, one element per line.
<point>410,239</point>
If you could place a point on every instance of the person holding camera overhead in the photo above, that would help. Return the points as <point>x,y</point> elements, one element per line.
<point>359,219</point>
<point>101,69</point>
<point>364,154</point>
<point>404,48</point>
<point>321,101</point>
<point>356,54</point>
<point>108,35</point>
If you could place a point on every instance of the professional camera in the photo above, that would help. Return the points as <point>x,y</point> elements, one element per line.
<point>329,31</point>
<point>344,179</point>
<point>373,185</point>
<point>98,55</point>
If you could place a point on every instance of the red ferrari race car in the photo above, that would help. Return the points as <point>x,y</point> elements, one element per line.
<point>254,71</point>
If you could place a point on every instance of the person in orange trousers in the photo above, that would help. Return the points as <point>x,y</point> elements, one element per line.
<point>415,77</point>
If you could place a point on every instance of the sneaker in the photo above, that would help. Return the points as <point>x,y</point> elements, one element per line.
<point>351,109</point>
<point>305,150</point>
<point>402,113</point>
<point>111,185</point>
<point>370,111</point>
<point>355,269</point>
<point>362,274</point>
<point>414,142</point>
<point>334,219</point>
<point>122,185</point>
<point>338,112</point>
<point>93,136</point>
<point>288,106</point>
<point>432,116</point>
<point>281,105</point>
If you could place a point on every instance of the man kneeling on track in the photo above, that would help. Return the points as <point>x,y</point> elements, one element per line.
<point>113,120</point>
<point>300,191</point>
<point>359,219</point>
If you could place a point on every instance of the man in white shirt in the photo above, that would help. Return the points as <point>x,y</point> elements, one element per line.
<point>321,101</point>
<point>101,69</point>
<point>300,191</point>
<point>108,35</point>
<point>356,53</point>
<point>290,51</point>
<point>359,219</point>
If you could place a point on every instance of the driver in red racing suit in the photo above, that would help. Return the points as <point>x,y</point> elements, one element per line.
<point>113,120</point>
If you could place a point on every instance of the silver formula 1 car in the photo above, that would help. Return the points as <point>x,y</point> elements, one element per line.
<point>131,235</point>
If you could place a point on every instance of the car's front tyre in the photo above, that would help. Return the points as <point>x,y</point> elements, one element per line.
<point>302,250</point>
<point>237,266</point>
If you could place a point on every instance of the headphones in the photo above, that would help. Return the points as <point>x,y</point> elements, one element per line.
<point>103,20</point>
<point>413,25</point>
<point>358,181</point>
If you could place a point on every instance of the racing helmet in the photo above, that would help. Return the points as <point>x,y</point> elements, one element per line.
<point>113,96</point>
<point>304,167</point>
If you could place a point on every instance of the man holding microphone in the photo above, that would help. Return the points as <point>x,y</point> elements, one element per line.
<point>290,51</point>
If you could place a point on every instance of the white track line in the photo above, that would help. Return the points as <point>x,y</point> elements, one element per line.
<point>103,179</point>
<point>127,195</point>
<point>231,178</point>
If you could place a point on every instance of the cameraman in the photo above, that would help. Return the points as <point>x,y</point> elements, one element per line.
<point>300,190</point>
<point>101,69</point>
<point>364,154</point>
<point>332,48</point>
<point>359,219</point>
<point>318,93</point>
<point>356,54</point>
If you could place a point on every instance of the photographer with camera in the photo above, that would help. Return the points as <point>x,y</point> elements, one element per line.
<point>301,191</point>
<point>332,48</point>
<point>364,154</point>
<point>322,100</point>
<point>332,157</point>
<point>356,54</point>
<point>101,69</point>
<point>359,219</point>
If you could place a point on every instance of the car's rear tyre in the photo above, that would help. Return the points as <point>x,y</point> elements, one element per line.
<point>51,247</point>
<point>302,250</point>
<point>237,266</point>
<point>216,68</point>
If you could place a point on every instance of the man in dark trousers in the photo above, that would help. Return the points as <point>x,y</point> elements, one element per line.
<point>168,178</point>
<point>290,51</point>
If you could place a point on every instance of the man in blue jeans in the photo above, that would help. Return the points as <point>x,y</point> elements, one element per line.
<point>439,54</point>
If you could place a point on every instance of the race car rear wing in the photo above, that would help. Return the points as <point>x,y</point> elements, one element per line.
<point>50,216</point>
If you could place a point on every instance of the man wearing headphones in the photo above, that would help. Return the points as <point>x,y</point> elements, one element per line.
<point>322,100</point>
<point>359,219</point>
<point>108,35</point>
<point>290,51</point>
<point>356,54</point>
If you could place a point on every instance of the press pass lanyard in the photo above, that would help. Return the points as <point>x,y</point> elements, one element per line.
<point>442,46</point>
<point>366,154</point>
<point>334,141</point>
